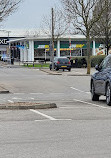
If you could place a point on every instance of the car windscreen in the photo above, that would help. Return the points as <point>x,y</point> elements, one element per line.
<point>63,60</point>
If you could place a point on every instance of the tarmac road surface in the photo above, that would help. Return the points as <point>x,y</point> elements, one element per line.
<point>78,128</point>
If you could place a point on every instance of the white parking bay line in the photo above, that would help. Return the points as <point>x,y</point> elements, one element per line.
<point>10,101</point>
<point>79,90</point>
<point>53,120</point>
<point>44,115</point>
<point>36,93</point>
<point>48,117</point>
<point>81,101</point>
<point>16,98</point>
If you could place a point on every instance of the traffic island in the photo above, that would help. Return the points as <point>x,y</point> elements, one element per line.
<point>26,106</point>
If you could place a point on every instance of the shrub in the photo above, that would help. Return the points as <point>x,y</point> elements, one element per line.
<point>95,60</point>
<point>79,62</point>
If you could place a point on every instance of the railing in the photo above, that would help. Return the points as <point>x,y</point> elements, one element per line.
<point>34,62</point>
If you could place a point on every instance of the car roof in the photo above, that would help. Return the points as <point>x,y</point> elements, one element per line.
<point>61,58</point>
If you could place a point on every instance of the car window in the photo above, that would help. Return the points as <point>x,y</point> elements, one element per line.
<point>108,64</point>
<point>55,59</point>
<point>63,60</point>
<point>103,65</point>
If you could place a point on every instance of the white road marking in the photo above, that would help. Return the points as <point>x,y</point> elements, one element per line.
<point>44,115</point>
<point>32,98</point>
<point>10,101</point>
<point>56,93</point>
<point>16,98</point>
<point>70,107</point>
<point>79,90</point>
<point>91,104</point>
<point>36,93</point>
<point>53,120</point>
<point>48,117</point>
<point>18,93</point>
<point>63,119</point>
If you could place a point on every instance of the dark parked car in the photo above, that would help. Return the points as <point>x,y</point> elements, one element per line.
<point>101,81</point>
<point>61,63</point>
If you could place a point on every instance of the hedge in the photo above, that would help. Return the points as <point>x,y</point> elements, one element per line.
<point>79,62</point>
<point>97,60</point>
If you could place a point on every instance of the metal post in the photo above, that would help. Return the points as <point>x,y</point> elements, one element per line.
<point>52,39</point>
<point>45,54</point>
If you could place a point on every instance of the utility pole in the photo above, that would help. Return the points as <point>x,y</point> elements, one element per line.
<point>52,43</point>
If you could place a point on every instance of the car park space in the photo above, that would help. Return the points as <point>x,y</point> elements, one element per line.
<point>78,127</point>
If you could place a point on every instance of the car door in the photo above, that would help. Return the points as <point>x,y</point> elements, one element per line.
<point>101,77</point>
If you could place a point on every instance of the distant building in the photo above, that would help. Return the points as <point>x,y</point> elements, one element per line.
<point>31,46</point>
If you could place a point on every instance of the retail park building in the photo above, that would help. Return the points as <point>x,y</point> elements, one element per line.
<point>32,47</point>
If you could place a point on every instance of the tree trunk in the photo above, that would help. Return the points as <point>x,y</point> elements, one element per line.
<point>88,56</point>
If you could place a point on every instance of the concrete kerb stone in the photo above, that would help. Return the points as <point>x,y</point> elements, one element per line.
<point>50,72</point>
<point>26,106</point>
<point>59,73</point>
<point>79,75</point>
<point>3,90</point>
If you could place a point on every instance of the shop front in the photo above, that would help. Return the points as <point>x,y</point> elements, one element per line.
<point>32,49</point>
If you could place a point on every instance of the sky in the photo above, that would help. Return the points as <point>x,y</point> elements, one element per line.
<point>29,14</point>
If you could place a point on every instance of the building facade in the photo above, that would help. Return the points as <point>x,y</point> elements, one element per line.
<point>38,48</point>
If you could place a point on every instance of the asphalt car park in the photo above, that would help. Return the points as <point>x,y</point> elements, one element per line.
<point>79,127</point>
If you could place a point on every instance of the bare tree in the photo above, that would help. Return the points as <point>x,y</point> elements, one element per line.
<point>102,29</point>
<point>7,7</point>
<point>80,13</point>
<point>54,25</point>
<point>60,25</point>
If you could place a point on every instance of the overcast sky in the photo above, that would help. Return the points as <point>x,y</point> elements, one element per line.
<point>29,14</point>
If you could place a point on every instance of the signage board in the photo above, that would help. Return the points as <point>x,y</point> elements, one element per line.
<point>3,41</point>
<point>43,46</point>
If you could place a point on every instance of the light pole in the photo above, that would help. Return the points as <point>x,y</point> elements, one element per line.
<point>52,42</point>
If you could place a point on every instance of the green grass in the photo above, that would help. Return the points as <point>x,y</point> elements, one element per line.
<point>37,65</point>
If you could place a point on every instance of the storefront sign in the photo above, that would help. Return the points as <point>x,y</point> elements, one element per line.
<point>77,45</point>
<point>43,46</point>
<point>3,41</point>
<point>100,51</point>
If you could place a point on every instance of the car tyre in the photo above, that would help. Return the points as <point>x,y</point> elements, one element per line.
<point>94,96</point>
<point>50,67</point>
<point>108,94</point>
<point>69,69</point>
<point>56,69</point>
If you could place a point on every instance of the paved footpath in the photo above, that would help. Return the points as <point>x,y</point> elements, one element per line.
<point>73,72</point>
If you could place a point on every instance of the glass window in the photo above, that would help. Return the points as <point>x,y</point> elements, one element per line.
<point>106,63</point>
<point>66,60</point>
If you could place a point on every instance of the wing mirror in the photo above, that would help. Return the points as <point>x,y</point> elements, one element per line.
<point>97,67</point>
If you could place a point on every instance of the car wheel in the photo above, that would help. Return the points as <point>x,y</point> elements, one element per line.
<point>108,94</point>
<point>50,67</point>
<point>69,69</point>
<point>94,96</point>
<point>56,69</point>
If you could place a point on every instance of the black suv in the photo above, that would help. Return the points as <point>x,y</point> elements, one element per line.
<point>61,63</point>
<point>101,81</point>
